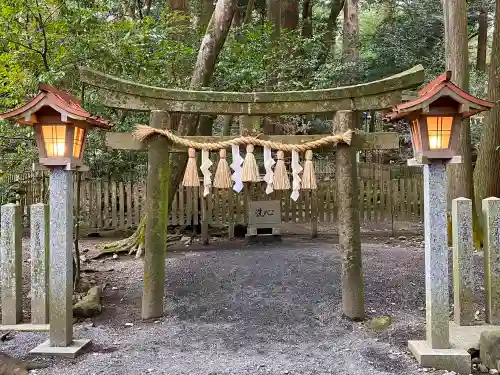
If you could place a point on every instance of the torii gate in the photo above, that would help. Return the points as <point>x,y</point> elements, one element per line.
<point>345,101</point>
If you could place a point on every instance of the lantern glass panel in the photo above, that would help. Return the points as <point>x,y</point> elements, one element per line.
<point>439,130</point>
<point>415,136</point>
<point>77,141</point>
<point>54,139</point>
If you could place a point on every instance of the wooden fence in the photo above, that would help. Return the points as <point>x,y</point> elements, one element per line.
<point>106,205</point>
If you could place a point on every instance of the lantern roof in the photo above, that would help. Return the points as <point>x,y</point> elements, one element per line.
<point>48,96</point>
<point>440,87</point>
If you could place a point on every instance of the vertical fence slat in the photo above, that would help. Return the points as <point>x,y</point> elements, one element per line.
<point>128,193</point>
<point>121,206</point>
<point>114,213</point>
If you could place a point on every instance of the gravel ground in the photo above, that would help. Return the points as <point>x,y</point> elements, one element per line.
<point>260,309</point>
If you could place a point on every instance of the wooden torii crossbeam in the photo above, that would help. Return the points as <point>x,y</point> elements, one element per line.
<point>344,101</point>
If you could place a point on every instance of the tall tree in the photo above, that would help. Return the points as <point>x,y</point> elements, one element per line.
<point>482,39</point>
<point>207,8</point>
<point>307,26</point>
<point>487,172</point>
<point>457,60</point>
<point>350,41</point>
<point>179,6</point>
<point>290,14</point>
<point>208,53</point>
<point>331,30</point>
<point>274,15</point>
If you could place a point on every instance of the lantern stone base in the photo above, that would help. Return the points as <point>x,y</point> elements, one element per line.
<point>70,351</point>
<point>467,337</point>
<point>454,359</point>
<point>421,160</point>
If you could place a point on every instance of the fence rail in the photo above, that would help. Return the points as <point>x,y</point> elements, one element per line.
<point>109,204</point>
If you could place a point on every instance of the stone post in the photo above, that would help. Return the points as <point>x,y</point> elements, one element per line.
<point>39,263</point>
<point>436,256</point>
<point>156,219</point>
<point>61,257</point>
<point>463,254</point>
<point>491,220</point>
<point>11,264</point>
<point>348,221</point>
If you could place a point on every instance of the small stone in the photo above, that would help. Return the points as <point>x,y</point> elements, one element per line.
<point>157,321</point>
<point>115,256</point>
<point>493,371</point>
<point>129,324</point>
<point>114,288</point>
<point>401,238</point>
<point>482,368</point>
<point>476,361</point>
<point>149,370</point>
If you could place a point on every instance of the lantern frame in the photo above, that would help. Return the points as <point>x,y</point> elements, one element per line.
<point>421,142</point>
<point>56,108</point>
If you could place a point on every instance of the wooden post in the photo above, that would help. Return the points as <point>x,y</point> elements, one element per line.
<point>156,219</point>
<point>348,221</point>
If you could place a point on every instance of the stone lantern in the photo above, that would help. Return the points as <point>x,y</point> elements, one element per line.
<point>61,126</point>
<point>435,117</point>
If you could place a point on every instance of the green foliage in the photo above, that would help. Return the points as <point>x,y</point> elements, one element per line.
<point>47,40</point>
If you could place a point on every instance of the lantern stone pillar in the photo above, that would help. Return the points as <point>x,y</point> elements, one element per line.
<point>436,256</point>
<point>436,350</point>
<point>61,268</point>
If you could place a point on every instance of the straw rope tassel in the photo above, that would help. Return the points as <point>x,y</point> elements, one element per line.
<point>222,179</point>
<point>250,171</point>
<point>191,174</point>
<point>280,178</point>
<point>296,180</point>
<point>309,176</point>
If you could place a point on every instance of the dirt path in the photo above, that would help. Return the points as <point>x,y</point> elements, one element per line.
<point>270,309</point>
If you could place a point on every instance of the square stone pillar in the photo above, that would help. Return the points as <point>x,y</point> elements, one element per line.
<point>11,264</point>
<point>491,220</point>
<point>61,341</point>
<point>436,256</point>
<point>39,263</point>
<point>61,257</point>
<point>463,257</point>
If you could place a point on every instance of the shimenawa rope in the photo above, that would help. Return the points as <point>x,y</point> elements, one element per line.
<point>142,132</point>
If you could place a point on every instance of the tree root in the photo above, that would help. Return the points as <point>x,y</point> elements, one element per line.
<point>135,244</point>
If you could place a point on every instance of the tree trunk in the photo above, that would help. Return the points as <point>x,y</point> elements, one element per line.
<point>238,17</point>
<point>482,39</point>
<point>350,42</point>
<point>290,14</point>
<point>226,127</point>
<point>248,11</point>
<point>131,9</point>
<point>487,172</point>
<point>457,60</point>
<point>207,8</point>
<point>331,30</point>
<point>148,7</point>
<point>208,53</point>
<point>307,28</point>
<point>274,15</point>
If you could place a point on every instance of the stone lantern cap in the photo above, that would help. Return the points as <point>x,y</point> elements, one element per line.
<point>442,86</point>
<point>67,105</point>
